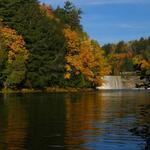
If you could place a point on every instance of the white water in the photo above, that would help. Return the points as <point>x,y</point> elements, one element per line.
<point>111,82</point>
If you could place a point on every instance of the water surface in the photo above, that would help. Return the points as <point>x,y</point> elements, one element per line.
<point>71,121</point>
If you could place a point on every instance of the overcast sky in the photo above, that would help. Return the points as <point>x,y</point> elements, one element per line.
<point>113,20</point>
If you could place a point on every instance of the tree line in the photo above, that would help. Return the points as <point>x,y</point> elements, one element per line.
<point>132,56</point>
<point>44,47</point>
<point>123,56</point>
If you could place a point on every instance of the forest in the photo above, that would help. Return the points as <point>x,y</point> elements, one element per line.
<point>45,47</point>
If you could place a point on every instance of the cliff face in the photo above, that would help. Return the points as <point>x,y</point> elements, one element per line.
<point>129,82</point>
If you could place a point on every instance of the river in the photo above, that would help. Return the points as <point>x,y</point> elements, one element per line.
<point>71,121</point>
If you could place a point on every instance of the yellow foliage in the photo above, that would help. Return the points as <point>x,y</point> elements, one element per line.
<point>140,60</point>
<point>117,60</point>
<point>14,43</point>
<point>67,75</point>
<point>85,57</point>
<point>73,40</point>
<point>68,68</point>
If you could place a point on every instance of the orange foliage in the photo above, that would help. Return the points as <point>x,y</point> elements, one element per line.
<point>140,60</point>
<point>117,60</point>
<point>47,9</point>
<point>14,43</point>
<point>73,41</point>
<point>67,75</point>
<point>85,57</point>
<point>68,67</point>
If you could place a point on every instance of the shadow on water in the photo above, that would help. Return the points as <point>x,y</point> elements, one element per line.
<point>71,121</point>
<point>142,128</point>
<point>13,124</point>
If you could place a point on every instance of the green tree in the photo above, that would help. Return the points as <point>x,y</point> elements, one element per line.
<point>119,56</point>
<point>69,15</point>
<point>13,57</point>
<point>15,72</point>
<point>3,60</point>
<point>44,39</point>
<point>46,43</point>
<point>8,8</point>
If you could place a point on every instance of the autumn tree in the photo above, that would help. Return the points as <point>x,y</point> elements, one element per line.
<point>44,40</point>
<point>3,55</point>
<point>142,68</point>
<point>84,58</point>
<point>47,9</point>
<point>120,57</point>
<point>13,49</point>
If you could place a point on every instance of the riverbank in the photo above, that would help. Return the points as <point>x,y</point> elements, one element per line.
<point>46,90</point>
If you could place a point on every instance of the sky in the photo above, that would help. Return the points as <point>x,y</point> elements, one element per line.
<point>110,21</point>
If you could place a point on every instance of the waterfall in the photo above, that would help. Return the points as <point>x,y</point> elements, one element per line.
<point>111,82</point>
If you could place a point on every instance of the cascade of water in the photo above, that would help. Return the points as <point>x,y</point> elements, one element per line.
<point>112,82</point>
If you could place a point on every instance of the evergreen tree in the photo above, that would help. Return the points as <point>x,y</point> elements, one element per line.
<point>44,40</point>
<point>46,43</point>
<point>69,15</point>
<point>8,8</point>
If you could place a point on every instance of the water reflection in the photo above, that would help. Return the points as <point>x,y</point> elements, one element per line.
<point>81,113</point>
<point>46,121</point>
<point>77,121</point>
<point>13,124</point>
<point>102,120</point>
